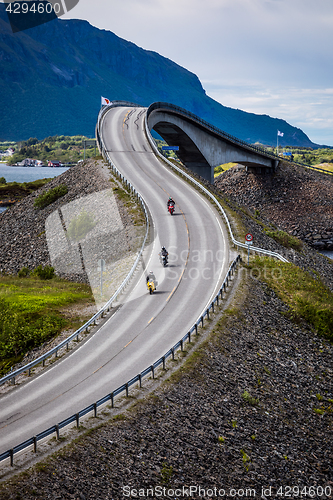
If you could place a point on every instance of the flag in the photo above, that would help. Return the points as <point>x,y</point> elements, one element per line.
<point>280,133</point>
<point>106,102</point>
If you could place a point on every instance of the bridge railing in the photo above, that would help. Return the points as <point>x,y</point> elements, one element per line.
<point>160,106</point>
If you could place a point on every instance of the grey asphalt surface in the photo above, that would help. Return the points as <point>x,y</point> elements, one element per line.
<point>145,326</point>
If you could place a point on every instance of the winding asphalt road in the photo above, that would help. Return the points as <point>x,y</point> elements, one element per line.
<point>145,326</point>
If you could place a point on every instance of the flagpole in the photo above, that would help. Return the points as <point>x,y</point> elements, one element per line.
<point>277,143</point>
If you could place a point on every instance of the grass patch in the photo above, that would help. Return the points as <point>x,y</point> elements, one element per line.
<point>307,297</point>
<point>31,313</point>
<point>285,239</point>
<point>222,168</point>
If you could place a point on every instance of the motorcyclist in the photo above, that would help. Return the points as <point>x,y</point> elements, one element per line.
<point>151,277</point>
<point>164,253</point>
<point>170,202</point>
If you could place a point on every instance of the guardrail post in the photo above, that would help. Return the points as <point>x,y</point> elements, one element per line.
<point>140,380</point>
<point>207,313</point>
<point>57,432</point>
<point>181,345</point>
<point>202,321</point>
<point>35,444</point>
<point>112,400</point>
<point>127,389</point>
<point>173,353</point>
<point>153,370</point>
<point>13,380</point>
<point>213,306</point>
<point>77,418</point>
<point>43,362</point>
<point>196,329</point>
<point>29,373</point>
<point>67,346</point>
<point>95,410</point>
<point>189,336</point>
<point>163,359</point>
<point>11,454</point>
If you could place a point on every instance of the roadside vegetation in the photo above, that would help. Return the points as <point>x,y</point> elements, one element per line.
<point>15,191</point>
<point>222,168</point>
<point>305,294</point>
<point>63,148</point>
<point>32,311</point>
<point>322,158</point>
<point>285,239</point>
<point>45,199</point>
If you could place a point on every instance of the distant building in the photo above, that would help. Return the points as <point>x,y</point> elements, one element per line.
<point>53,163</point>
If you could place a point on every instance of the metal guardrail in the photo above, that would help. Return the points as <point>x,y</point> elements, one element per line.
<point>212,197</point>
<point>150,370</point>
<point>311,167</point>
<point>106,308</point>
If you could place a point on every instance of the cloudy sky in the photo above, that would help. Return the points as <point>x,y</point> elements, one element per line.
<point>270,57</point>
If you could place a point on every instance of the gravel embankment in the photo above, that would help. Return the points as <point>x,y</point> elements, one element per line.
<point>202,431</point>
<point>297,200</point>
<point>252,409</point>
<point>22,226</point>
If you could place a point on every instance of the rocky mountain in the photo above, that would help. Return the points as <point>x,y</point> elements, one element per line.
<point>52,78</point>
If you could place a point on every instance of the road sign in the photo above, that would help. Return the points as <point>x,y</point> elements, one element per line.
<point>170,148</point>
<point>248,238</point>
<point>89,142</point>
<point>101,265</point>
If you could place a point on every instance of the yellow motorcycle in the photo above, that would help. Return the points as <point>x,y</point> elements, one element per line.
<point>151,286</point>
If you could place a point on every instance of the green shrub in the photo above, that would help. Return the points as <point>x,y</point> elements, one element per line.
<point>46,273</point>
<point>45,199</point>
<point>3,180</point>
<point>23,272</point>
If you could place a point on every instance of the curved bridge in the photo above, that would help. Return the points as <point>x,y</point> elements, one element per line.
<point>202,147</point>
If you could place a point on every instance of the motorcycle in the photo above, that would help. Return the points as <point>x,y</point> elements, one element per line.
<point>164,260</point>
<point>171,209</point>
<point>151,286</point>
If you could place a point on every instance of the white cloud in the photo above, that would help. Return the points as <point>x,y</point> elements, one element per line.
<point>269,56</point>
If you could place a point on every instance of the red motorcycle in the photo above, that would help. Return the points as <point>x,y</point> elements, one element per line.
<point>171,208</point>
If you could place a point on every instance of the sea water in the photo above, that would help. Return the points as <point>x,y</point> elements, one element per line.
<point>28,174</point>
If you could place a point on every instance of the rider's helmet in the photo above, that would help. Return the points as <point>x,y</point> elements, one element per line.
<point>163,248</point>
<point>170,198</point>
